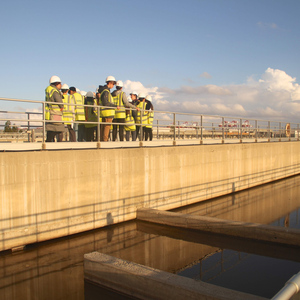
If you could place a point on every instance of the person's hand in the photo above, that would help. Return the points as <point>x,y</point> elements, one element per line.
<point>138,109</point>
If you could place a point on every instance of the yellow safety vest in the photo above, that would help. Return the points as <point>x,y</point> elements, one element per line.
<point>54,108</point>
<point>120,113</point>
<point>107,112</point>
<point>150,119</point>
<point>91,114</point>
<point>79,109</point>
<point>130,123</point>
<point>142,114</point>
<point>68,112</point>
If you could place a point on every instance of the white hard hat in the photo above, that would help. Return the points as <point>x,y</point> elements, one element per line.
<point>83,93</point>
<point>142,95</point>
<point>54,79</point>
<point>64,87</point>
<point>90,94</point>
<point>134,93</point>
<point>149,98</point>
<point>110,78</point>
<point>119,83</point>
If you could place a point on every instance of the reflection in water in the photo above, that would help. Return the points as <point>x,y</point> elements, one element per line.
<point>54,270</point>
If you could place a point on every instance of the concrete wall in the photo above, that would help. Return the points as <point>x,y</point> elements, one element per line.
<point>49,194</point>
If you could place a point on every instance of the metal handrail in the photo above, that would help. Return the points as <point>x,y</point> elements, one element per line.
<point>197,126</point>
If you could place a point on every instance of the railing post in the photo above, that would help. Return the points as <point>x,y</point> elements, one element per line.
<point>280,131</point>
<point>298,132</point>
<point>98,128</point>
<point>28,126</point>
<point>256,132</point>
<point>223,129</point>
<point>269,131</point>
<point>241,130</point>
<point>174,124</point>
<point>201,126</point>
<point>141,127</point>
<point>44,128</point>
<point>157,130</point>
<point>178,130</point>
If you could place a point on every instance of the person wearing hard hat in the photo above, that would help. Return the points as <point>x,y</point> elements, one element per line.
<point>53,112</point>
<point>142,115</point>
<point>90,116</point>
<point>134,96</point>
<point>68,112</point>
<point>79,112</point>
<point>120,99</point>
<point>148,128</point>
<point>107,113</point>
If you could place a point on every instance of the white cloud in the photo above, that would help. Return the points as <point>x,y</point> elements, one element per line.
<point>274,97</point>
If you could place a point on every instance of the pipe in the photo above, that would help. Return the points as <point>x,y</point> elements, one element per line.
<point>291,288</point>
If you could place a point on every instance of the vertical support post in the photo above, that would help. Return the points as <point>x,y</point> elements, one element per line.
<point>280,131</point>
<point>44,128</point>
<point>178,130</point>
<point>201,126</point>
<point>223,129</point>
<point>298,132</point>
<point>256,131</point>
<point>28,126</point>
<point>241,130</point>
<point>141,126</point>
<point>174,125</point>
<point>157,130</point>
<point>98,127</point>
<point>269,131</point>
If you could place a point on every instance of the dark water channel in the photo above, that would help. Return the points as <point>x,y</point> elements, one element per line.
<point>54,269</point>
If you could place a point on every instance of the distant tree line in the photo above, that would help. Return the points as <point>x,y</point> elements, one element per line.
<point>9,128</point>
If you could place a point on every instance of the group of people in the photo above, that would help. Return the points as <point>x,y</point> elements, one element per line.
<point>65,104</point>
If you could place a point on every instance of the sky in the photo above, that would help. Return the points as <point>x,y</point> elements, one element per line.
<point>217,57</point>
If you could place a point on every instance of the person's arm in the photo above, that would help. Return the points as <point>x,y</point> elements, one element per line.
<point>57,97</point>
<point>126,103</point>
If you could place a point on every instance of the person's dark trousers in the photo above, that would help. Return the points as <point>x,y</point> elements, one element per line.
<point>148,133</point>
<point>138,134</point>
<point>121,129</point>
<point>81,133</point>
<point>72,134</point>
<point>133,136</point>
<point>52,134</point>
<point>90,133</point>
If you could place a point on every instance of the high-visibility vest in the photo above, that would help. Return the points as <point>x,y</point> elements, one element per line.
<point>79,109</point>
<point>142,113</point>
<point>119,113</point>
<point>68,112</point>
<point>91,114</point>
<point>130,123</point>
<point>51,108</point>
<point>107,112</point>
<point>150,119</point>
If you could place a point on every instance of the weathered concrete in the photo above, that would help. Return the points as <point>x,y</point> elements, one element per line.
<point>279,235</point>
<point>50,194</point>
<point>147,283</point>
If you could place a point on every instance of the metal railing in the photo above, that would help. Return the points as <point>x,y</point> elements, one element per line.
<point>167,126</point>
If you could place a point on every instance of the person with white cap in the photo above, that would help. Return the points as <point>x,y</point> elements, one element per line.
<point>53,112</point>
<point>120,99</point>
<point>79,112</point>
<point>134,96</point>
<point>107,113</point>
<point>68,112</point>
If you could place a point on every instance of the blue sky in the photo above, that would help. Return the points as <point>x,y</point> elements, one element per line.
<point>214,56</point>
